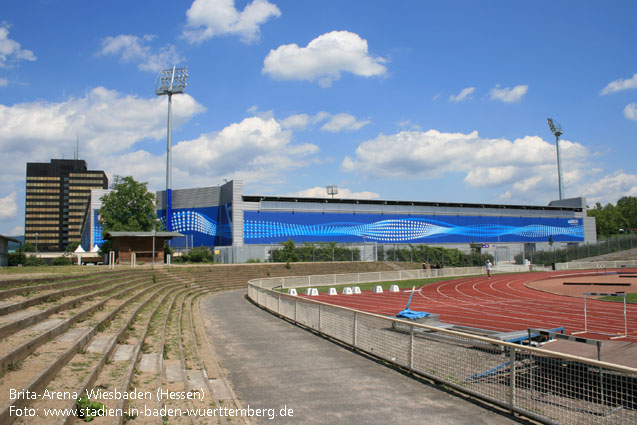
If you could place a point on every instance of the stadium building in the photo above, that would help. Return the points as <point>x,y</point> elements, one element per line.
<point>243,227</point>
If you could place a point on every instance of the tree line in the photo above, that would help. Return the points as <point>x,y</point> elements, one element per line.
<point>619,218</point>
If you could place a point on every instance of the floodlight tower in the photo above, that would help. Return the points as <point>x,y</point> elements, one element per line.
<point>169,82</point>
<point>556,129</point>
<point>332,190</point>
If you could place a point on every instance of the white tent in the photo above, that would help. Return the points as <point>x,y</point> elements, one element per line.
<point>95,248</point>
<point>79,249</point>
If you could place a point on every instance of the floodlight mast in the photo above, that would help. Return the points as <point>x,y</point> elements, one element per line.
<point>332,190</point>
<point>556,129</point>
<point>169,82</point>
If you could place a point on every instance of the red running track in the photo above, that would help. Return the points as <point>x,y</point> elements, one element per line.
<point>502,303</point>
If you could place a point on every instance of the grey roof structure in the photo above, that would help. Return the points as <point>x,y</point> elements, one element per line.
<point>109,235</point>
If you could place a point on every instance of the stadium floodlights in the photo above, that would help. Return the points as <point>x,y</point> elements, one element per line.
<point>556,129</point>
<point>171,81</point>
<point>332,190</point>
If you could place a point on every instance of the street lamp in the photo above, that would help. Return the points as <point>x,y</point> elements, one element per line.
<point>556,129</point>
<point>169,82</point>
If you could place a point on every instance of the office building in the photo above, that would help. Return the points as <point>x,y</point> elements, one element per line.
<point>57,194</point>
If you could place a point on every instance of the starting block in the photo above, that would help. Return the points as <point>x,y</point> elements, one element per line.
<point>378,289</point>
<point>292,291</point>
<point>347,291</point>
<point>313,292</point>
<point>394,288</point>
<point>357,290</point>
<point>332,291</point>
<point>308,291</point>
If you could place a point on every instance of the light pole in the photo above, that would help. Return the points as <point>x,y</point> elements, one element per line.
<point>556,129</point>
<point>169,82</point>
<point>154,234</point>
<point>332,190</point>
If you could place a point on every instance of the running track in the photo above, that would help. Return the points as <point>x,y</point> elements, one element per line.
<point>502,303</point>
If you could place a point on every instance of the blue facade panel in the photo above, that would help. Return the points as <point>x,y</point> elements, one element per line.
<point>97,230</point>
<point>207,226</point>
<point>273,227</point>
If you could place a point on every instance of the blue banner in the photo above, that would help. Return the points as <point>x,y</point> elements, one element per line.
<point>273,227</point>
<point>201,225</point>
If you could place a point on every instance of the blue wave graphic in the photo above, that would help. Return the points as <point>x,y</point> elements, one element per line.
<point>403,230</point>
<point>191,221</point>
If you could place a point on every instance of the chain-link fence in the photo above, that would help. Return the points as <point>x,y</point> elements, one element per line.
<point>547,386</point>
<point>576,251</point>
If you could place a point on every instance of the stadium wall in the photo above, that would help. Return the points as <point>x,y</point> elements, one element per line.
<point>221,216</point>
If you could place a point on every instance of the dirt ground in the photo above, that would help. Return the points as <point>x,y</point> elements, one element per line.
<point>556,285</point>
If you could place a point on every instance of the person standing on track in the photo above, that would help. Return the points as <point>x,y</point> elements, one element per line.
<point>489,266</point>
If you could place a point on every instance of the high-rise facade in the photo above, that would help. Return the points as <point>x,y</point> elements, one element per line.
<point>57,194</point>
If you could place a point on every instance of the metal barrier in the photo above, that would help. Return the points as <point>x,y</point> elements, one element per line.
<point>550,387</point>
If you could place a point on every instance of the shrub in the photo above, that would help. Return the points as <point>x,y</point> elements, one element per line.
<point>61,261</point>
<point>32,260</point>
<point>201,255</point>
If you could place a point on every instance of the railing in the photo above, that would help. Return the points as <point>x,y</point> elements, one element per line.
<point>550,387</point>
<point>343,279</point>
<point>582,265</point>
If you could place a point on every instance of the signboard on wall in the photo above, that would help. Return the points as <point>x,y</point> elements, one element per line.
<point>274,227</point>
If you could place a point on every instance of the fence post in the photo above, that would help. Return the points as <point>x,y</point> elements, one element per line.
<point>355,327</point>
<point>512,352</point>
<point>411,348</point>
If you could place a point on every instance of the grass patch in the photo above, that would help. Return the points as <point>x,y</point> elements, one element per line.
<point>630,299</point>
<point>368,286</point>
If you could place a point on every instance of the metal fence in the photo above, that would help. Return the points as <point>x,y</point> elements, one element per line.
<point>550,387</point>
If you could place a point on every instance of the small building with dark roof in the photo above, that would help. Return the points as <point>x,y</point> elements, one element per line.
<point>4,249</point>
<point>140,244</point>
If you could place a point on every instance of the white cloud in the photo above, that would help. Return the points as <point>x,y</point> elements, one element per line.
<point>296,121</point>
<point>253,149</point>
<point>10,50</point>
<point>508,94</point>
<point>131,48</point>
<point>107,123</point>
<point>465,94</point>
<point>101,118</point>
<point>620,85</point>
<point>324,59</point>
<point>525,165</point>
<point>610,188</point>
<point>16,231</point>
<point>630,111</point>
<point>209,18</point>
<point>4,82</point>
<point>8,206</point>
<point>341,122</point>
<point>334,123</point>
<point>343,193</point>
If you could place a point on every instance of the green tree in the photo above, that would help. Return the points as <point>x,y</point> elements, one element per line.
<point>288,253</point>
<point>72,247</point>
<point>627,207</point>
<point>130,207</point>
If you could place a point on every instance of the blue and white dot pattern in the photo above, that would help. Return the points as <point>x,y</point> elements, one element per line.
<point>272,227</point>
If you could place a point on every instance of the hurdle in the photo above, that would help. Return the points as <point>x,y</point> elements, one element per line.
<point>561,335</point>
<point>604,294</point>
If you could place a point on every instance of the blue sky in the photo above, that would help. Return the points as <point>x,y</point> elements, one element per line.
<point>411,100</point>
